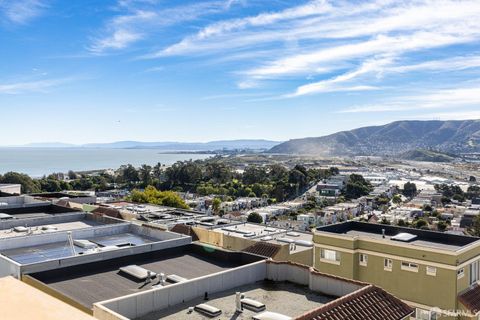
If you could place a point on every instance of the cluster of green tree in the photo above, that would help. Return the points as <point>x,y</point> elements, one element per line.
<point>154,196</point>
<point>213,177</point>
<point>356,187</point>
<point>54,183</point>
<point>452,192</point>
<point>202,176</point>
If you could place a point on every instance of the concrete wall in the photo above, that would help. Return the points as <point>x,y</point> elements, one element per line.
<point>316,281</point>
<point>8,267</point>
<point>20,201</point>
<point>143,303</point>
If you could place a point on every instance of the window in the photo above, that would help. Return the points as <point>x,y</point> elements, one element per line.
<point>460,273</point>
<point>330,255</point>
<point>431,271</point>
<point>363,259</point>
<point>387,264</point>
<point>408,266</point>
<point>474,272</point>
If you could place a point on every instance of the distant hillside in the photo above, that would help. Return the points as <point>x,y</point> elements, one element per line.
<point>391,139</point>
<point>426,155</point>
<point>169,146</point>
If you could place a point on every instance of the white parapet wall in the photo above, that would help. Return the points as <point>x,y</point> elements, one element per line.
<point>316,281</point>
<point>164,239</point>
<point>142,303</point>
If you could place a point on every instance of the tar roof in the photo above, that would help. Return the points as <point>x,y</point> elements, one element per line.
<point>423,238</point>
<point>102,280</point>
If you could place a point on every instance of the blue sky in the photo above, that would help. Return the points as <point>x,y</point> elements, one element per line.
<point>155,70</point>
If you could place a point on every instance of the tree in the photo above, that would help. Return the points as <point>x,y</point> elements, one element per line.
<point>28,184</point>
<point>254,218</point>
<point>254,174</point>
<point>128,174</point>
<point>216,205</point>
<point>409,189</point>
<point>472,179</point>
<point>421,224</point>
<point>476,226</point>
<point>441,226</point>
<point>397,199</point>
<point>153,196</point>
<point>357,187</point>
<point>145,174</point>
<point>72,175</point>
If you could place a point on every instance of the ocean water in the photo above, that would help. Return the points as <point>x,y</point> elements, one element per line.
<point>37,162</point>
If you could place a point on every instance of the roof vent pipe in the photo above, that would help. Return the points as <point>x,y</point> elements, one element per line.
<point>383,233</point>
<point>238,302</point>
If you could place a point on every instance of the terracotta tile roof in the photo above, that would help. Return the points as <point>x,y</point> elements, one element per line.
<point>264,249</point>
<point>470,298</point>
<point>186,230</point>
<point>370,302</point>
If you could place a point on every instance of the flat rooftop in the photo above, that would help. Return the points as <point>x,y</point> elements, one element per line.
<point>59,250</point>
<point>102,280</point>
<point>47,228</point>
<point>51,223</point>
<point>300,241</point>
<point>282,297</point>
<point>41,306</point>
<point>36,210</point>
<point>416,237</point>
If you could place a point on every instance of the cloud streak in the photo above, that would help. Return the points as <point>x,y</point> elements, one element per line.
<point>32,86</point>
<point>140,20</point>
<point>21,11</point>
<point>444,98</point>
<point>374,39</point>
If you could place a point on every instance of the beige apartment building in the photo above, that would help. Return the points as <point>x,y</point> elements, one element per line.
<point>437,273</point>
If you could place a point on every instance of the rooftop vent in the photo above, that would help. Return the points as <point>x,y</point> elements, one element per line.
<point>5,216</point>
<point>404,237</point>
<point>138,272</point>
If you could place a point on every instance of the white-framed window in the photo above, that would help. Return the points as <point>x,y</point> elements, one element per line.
<point>330,255</point>
<point>387,264</point>
<point>431,271</point>
<point>474,271</point>
<point>362,259</point>
<point>408,266</point>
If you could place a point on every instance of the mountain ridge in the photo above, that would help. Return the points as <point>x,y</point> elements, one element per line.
<point>164,145</point>
<point>453,136</point>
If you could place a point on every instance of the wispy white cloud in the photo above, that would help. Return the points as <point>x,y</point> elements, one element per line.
<point>21,11</point>
<point>328,34</point>
<point>142,18</point>
<point>444,98</point>
<point>32,86</point>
